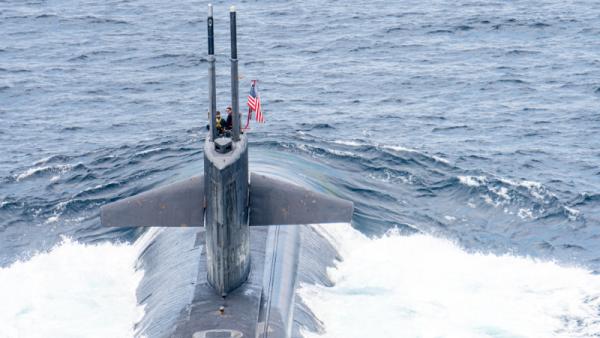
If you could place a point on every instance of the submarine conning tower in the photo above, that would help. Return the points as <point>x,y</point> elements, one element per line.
<point>226,214</point>
<point>226,182</point>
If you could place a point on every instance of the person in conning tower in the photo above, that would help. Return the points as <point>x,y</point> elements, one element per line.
<point>229,123</point>
<point>219,123</point>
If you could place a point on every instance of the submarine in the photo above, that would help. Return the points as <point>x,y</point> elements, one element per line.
<point>249,239</point>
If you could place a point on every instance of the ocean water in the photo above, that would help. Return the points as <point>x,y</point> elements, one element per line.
<point>466,133</point>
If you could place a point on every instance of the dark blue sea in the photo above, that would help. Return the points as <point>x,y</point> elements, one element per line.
<point>467,133</point>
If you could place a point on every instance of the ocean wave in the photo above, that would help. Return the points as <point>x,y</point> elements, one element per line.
<point>46,16</point>
<point>37,171</point>
<point>540,25</point>
<point>463,28</point>
<point>450,128</point>
<point>349,143</point>
<point>433,176</point>
<point>311,126</point>
<point>472,181</point>
<point>527,199</point>
<point>97,20</point>
<point>440,31</point>
<point>77,283</point>
<point>586,198</point>
<point>149,152</point>
<point>81,57</point>
<point>397,148</point>
<point>360,143</point>
<point>536,189</point>
<point>52,159</point>
<point>437,291</point>
<point>99,188</point>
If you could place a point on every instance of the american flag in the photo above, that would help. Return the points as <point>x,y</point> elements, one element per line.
<point>254,102</point>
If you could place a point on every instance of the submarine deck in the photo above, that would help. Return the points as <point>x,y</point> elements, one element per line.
<point>241,308</point>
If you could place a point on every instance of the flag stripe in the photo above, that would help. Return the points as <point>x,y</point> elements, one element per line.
<point>254,103</point>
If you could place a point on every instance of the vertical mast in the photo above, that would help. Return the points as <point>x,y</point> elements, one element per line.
<point>234,77</point>
<point>212,91</point>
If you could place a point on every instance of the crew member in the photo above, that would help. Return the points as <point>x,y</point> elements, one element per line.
<point>229,123</point>
<point>219,123</point>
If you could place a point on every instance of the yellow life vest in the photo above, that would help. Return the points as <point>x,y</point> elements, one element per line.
<point>218,122</point>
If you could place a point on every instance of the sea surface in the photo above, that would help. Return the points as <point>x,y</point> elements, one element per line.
<point>467,133</point>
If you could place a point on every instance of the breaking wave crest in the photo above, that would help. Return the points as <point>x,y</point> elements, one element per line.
<point>422,286</point>
<point>40,170</point>
<point>73,290</point>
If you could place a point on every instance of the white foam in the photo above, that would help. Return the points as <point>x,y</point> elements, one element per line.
<point>42,161</point>
<point>525,213</point>
<point>501,195</point>
<point>75,290</point>
<point>535,193</point>
<point>572,213</point>
<point>60,169</point>
<point>536,189</point>
<point>421,286</point>
<point>29,172</point>
<point>383,146</point>
<point>341,153</point>
<point>488,199</point>
<point>523,183</point>
<point>439,159</point>
<point>390,147</point>
<point>502,192</point>
<point>387,176</point>
<point>52,219</point>
<point>149,151</point>
<point>349,143</point>
<point>398,148</point>
<point>472,181</point>
<point>531,184</point>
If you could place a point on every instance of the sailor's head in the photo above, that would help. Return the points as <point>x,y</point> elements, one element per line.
<point>218,114</point>
<point>229,110</point>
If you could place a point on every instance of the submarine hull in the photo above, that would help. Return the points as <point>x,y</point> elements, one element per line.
<point>262,306</point>
<point>178,301</point>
